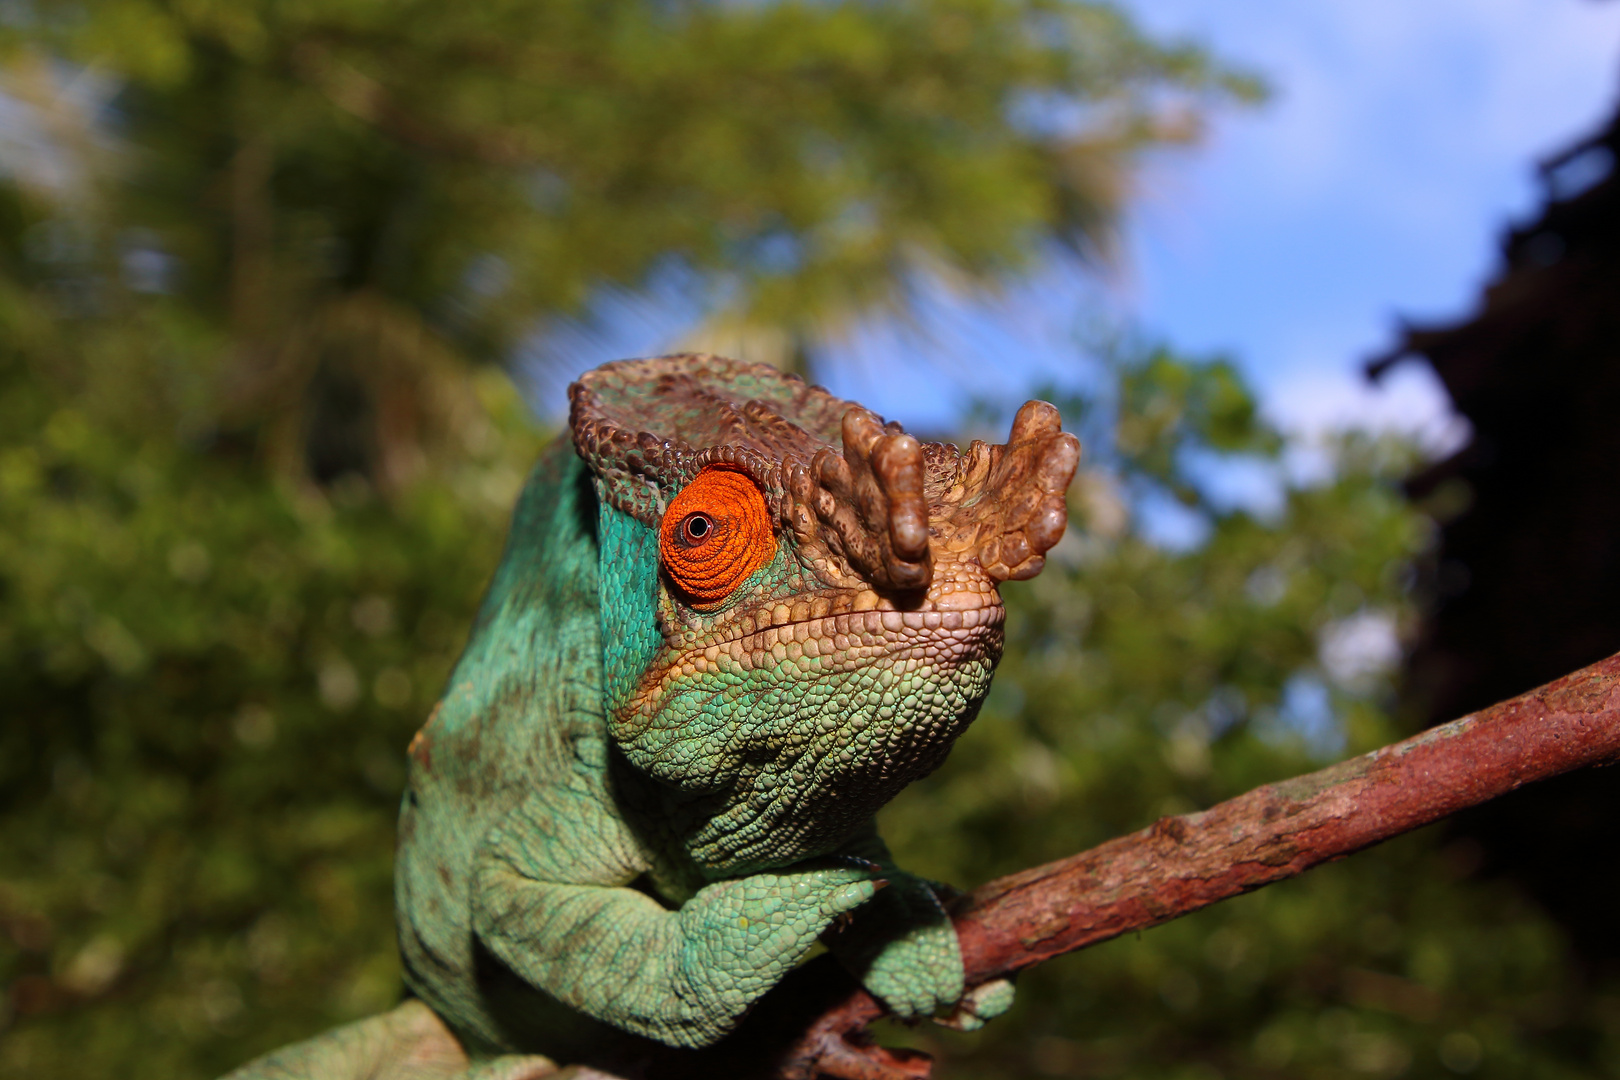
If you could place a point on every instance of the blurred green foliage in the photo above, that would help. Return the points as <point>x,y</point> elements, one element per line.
<point>475,167</point>
<point>1142,680</point>
<point>208,681</point>
<point>252,482</point>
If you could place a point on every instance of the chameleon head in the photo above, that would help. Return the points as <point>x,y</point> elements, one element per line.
<point>825,587</point>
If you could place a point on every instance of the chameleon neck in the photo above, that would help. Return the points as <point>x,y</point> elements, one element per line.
<point>525,692</point>
<point>629,599</point>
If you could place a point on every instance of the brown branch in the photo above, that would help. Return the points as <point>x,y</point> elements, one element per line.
<point>1181,864</point>
<point>814,1023</point>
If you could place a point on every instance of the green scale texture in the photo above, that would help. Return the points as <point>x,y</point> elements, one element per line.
<point>628,814</point>
<point>525,827</point>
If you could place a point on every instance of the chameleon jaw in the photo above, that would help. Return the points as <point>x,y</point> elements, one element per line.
<point>852,638</point>
<point>889,691</point>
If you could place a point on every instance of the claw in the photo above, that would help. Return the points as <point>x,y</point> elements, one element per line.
<point>984,1002</point>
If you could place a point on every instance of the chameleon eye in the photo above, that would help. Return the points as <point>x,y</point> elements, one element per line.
<point>695,528</point>
<point>715,533</point>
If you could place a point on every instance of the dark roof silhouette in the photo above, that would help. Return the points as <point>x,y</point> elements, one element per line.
<point>1525,585</point>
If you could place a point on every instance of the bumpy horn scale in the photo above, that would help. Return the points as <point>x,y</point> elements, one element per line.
<point>864,501</point>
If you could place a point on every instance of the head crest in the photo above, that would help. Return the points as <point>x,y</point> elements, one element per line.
<point>864,501</point>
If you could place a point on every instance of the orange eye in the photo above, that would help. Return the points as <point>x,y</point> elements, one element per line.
<point>715,533</point>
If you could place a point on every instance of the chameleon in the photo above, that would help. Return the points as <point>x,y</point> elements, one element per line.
<point>735,616</point>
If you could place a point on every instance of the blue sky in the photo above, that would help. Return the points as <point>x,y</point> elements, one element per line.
<point>1400,140</point>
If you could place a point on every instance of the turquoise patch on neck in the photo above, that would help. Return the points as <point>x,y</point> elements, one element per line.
<point>629,594</point>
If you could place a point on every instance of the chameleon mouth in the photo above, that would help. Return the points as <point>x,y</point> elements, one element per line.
<point>861,637</point>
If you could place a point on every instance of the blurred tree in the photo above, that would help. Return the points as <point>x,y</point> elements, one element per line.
<point>251,482</point>
<point>207,680</point>
<point>353,195</point>
<point>251,256</point>
<point>1525,581</point>
<point>1142,679</point>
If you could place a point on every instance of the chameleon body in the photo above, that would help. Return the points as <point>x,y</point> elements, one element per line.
<point>735,616</point>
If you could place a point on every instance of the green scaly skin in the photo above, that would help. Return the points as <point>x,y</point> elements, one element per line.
<point>627,813</point>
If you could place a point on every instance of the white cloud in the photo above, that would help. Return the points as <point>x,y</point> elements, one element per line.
<point>1402,138</point>
<point>1317,399</point>
<point>1356,650</point>
<point>1401,102</point>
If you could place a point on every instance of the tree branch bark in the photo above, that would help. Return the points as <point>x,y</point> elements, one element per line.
<point>814,1023</point>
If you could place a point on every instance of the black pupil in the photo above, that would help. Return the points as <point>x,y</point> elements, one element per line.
<point>697,528</point>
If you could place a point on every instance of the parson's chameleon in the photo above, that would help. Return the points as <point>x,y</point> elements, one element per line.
<point>735,616</point>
